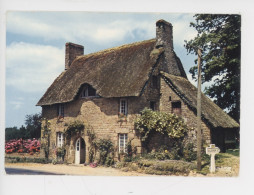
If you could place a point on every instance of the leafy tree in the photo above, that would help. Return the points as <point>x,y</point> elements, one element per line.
<point>11,133</point>
<point>33,125</point>
<point>24,133</point>
<point>219,36</point>
<point>31,130</point>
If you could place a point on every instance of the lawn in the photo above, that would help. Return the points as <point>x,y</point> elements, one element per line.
<point>227,164</point>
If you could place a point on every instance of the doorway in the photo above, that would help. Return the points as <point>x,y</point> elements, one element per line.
<point>80,150</point>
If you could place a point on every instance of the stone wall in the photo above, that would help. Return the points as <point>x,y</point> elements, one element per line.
<point>167,97</point>
<point>101,115</point>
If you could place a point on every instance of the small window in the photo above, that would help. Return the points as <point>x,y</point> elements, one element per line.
<point>176,108</point>
<point>123,142</point>
<point>61,110</point>
<point>60,139</point>
<point>152,105</point>
<point>88,91</point>
<point>123,107</point>
<point>154,82</point>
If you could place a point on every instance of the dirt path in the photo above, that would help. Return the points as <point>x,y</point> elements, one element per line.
<point>74,169</point>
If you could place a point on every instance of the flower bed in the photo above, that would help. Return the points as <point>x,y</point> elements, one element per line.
<point>22,146</point>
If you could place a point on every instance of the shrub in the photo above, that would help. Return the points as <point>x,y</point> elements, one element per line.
<point>105,147</point>
<point>164,123</point>
<point>74,127</point>
<point>109,161</point>
<point>165,167</point>
<point>26,160</point>
<point>188,153</point>
<point>22,146</point>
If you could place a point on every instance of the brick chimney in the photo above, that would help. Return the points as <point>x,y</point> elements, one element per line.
<point>71,52</point>
<point>164,38</point>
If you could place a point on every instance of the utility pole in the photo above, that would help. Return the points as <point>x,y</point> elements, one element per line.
<point>199,136</point>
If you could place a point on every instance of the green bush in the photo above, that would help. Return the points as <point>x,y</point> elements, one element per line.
<point>26,160</point>
<point>164,123</point>
<point>109,161</point>
<point>188,153</point>
<point>165,167</point>
<point>105,147</point>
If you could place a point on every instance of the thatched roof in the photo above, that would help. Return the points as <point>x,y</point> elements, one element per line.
<point>211,113</point>
<point>116,72</point>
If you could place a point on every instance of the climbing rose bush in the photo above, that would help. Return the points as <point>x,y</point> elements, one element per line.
<point>164,123</point>
<point>23,146</point>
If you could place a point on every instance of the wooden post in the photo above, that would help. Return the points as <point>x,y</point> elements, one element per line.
<point>199,136</point>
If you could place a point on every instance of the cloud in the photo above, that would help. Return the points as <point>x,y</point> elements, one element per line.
<point>193,82</point>
<point>31,67</point>
<point>16,104</point>
<point>182,31</point>
<point>101,28</point>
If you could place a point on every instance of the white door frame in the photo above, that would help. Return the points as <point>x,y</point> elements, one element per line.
<point>77,151</point>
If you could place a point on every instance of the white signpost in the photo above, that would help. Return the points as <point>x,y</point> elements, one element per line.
<point>212,150</point>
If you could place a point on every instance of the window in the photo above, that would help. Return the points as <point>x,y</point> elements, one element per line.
<point>176,107</point>
<point>152,105</point>
<point>88,91</point>
<point>154,82</point>
<point>123,107</point>
<point>123,142</point>
<point>61,110</point>
<point>60,139</point>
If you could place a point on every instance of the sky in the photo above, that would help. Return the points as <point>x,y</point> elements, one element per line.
<point>35,47</point>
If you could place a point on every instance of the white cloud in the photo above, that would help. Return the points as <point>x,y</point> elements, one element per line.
<point>31,67</point>
<point>16,104</point>
<point>182,31</point>
<point>97,27</point>
<point>193,82</point>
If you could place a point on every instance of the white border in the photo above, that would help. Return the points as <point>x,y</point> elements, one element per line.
<point>141,185</point>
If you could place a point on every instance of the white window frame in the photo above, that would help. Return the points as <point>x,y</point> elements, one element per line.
<point>61,110</point>
<point>60,139</point>
<point>123,108</point>
<point>122,140</point>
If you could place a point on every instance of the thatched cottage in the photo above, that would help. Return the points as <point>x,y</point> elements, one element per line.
<point>101,88</point>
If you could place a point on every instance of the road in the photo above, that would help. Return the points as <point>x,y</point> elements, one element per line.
<point>50,169</point>
<point>18,171</point>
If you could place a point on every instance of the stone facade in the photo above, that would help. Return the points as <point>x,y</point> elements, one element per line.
<point>168,96</point>
<point>101,114</point>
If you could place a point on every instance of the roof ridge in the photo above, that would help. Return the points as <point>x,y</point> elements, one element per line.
<point>108,50</point>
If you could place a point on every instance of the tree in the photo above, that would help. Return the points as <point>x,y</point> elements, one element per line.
<point>219,36</point>
<point>33,125</point>
<point>11,133</point>
<point>31,130</point>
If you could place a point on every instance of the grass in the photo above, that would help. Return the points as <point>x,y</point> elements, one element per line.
<point>234,152</point>
<point>178,167</point>
<point>152,166</point>
<point>228,159</point>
